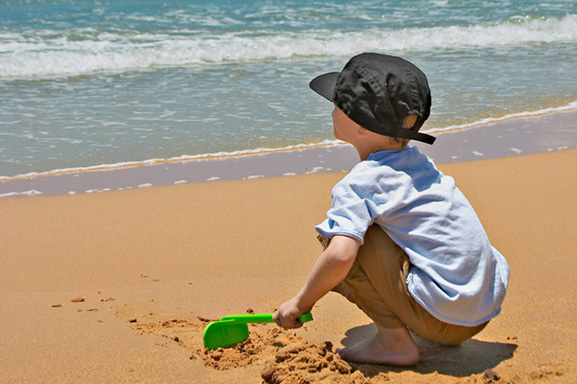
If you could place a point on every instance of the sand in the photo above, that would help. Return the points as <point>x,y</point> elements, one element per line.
<point>117,287</point>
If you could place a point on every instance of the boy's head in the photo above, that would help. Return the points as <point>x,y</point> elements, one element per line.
<point>382,93</point>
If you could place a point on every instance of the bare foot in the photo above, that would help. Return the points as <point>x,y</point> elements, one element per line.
<point>387,346</point>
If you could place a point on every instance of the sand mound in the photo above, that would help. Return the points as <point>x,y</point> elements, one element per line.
<point>261,344</point>
<point>288,359</point>
<point>280,351</point>
<point>302,362</point>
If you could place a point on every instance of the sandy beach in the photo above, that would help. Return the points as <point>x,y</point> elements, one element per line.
<point>163,164</point>
<point>116,287</point>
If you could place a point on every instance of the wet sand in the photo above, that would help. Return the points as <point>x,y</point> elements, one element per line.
<point>514,137</point>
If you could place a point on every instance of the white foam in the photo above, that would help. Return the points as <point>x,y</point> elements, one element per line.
<point>97,190</point>
<point>31,192</point>
<point>204,156</point>
<point>489,120</point>
<point>40,56</point>
<point>315,170</point>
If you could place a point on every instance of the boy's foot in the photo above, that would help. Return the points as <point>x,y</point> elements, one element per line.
<point>388,346</point>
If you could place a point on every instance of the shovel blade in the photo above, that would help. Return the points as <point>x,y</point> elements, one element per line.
<point>222,334</point>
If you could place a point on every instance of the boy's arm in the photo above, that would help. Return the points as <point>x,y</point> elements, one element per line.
<point>330,269</point>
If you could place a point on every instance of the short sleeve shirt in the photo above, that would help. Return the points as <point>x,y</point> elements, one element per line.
<point>455,274</point>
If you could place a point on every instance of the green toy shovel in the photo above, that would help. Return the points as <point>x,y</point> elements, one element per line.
<point>233,329</point>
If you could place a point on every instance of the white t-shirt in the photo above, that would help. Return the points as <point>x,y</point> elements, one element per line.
<point>455,274</point>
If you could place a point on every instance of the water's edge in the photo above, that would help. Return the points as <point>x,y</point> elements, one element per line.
<point>511,137</point>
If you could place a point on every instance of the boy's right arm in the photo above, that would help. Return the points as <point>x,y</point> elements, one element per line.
<point>330,269</point>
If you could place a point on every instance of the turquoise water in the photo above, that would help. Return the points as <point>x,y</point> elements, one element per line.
<point>85,83</point>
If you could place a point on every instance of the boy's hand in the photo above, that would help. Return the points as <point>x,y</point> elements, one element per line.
<point>287,314</point>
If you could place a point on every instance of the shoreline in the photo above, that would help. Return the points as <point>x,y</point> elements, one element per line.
<point>290,148</point>
<point>517,135</point>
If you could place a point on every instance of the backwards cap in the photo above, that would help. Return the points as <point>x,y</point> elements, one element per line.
<point>378,92</point>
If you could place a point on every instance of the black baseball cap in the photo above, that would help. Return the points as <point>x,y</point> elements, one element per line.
<point>378,92</point>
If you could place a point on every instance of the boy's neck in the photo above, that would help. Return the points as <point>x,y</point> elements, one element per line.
<point>365,149</point>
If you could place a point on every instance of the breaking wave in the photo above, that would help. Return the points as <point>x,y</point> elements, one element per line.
<point>47,53</point>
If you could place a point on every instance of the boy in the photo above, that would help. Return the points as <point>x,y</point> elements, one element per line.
<point>400,240</point>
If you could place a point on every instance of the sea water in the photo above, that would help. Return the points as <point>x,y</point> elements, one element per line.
<point>85,83</point>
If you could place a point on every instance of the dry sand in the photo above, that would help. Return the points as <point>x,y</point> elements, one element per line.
<point>117,287</point>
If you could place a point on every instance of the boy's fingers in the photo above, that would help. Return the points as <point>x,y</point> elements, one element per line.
<point>285,321</point>
<point>279,320</point>
<point>276,318</point>
<point>298,324</point>
<point>292,322</point>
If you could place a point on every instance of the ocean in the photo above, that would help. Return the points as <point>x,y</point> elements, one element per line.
<point>103,83</point>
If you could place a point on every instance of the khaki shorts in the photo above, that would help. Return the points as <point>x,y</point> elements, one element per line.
<point>376,283</point>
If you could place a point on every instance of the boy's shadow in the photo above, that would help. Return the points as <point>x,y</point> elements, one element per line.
<point>471,357</point>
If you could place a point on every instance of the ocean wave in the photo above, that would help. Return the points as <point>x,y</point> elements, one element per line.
<point>44,54</point>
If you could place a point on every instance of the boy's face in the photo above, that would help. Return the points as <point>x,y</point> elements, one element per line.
<point>344,128</point>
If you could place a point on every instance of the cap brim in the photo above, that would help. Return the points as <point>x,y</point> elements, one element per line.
<point>325,84</point>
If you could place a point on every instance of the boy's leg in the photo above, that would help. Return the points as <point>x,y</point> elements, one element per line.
<point>377,285</point>
<point>392,344</point>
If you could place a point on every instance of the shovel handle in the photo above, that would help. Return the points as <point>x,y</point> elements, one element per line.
<point>260,318</point>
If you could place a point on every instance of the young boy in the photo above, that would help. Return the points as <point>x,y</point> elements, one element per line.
<point>400,240</point>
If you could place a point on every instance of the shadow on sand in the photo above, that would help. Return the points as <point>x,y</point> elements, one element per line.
<point>471,357</point>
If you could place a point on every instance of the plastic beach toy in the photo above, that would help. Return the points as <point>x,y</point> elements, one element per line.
<point>233,329</point>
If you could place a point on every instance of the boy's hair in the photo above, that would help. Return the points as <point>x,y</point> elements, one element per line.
<point>408,123</point>
<point>380,93</point>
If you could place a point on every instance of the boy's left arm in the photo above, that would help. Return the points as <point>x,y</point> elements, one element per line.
<point>330,269</point>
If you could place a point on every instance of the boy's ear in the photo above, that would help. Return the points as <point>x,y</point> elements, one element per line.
<point>361,131</point>
<point>409,121</point>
